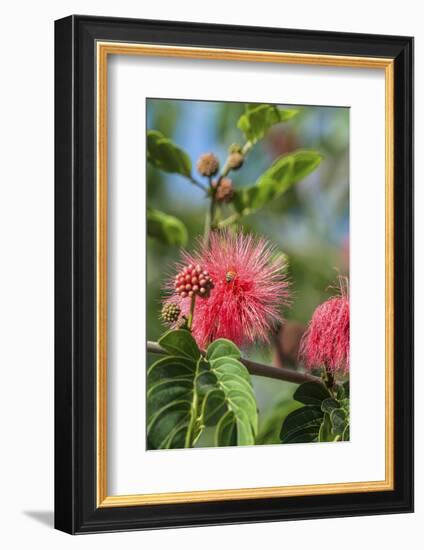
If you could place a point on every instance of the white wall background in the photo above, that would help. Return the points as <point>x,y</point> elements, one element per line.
<point>26,272</point>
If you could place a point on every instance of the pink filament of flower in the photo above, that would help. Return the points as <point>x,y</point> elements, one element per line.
<point>326,341</point>
<point>249,289</point>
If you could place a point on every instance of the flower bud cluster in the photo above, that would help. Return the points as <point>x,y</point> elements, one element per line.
<point>170,313</point>
<point>193,280</point>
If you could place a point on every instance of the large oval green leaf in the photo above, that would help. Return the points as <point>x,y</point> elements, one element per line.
<point>258,119</point>
<point>169,401</point>
<point>222,348</point>
<point>326,430</point>
<point>171,393</point>
<point>302,425</point>
<point>167,229</point>
<point>323,418</point>
<point>180,342</point>
<point>311,393</point>
<point>188,391</point>
<point>228,399</point>
<point>276,180</point>
<point>338,420</point>
<point>165,155</point>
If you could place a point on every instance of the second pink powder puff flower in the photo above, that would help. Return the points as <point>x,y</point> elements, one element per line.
<point>326,341</point>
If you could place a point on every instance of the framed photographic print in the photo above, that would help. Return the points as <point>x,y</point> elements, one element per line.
<point>234,274</point>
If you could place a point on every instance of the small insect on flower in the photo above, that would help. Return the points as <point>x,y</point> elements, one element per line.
<point>250,287</point>
<point>230,276</point>
<point>326,341</point>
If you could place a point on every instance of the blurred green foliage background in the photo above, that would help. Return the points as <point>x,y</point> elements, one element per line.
<point>309,223</point>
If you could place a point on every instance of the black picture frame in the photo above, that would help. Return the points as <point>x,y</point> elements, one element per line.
<point>76,510</point>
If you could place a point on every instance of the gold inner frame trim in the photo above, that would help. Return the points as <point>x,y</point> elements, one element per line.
<point>104,49</point>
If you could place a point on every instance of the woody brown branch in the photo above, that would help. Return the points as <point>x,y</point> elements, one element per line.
<point>257,369</point>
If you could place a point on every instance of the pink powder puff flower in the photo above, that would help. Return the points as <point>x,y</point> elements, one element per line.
<point>249,288</point>
<point>326,340</point>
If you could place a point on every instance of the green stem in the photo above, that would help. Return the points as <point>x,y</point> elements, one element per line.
<point>225,171</point>
<point>210,221</point>
<point>191,312</point>
<point>207,226</point>
<point>212,211</point>
<point>188,443</point>
<point>230,220</point>
<point>246,148</point>
<point>329,381</point>
<point>210,215</point>
<point>197,184</point>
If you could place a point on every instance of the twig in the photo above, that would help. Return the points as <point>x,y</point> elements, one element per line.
<point>228,221</point>
<point>258,369</point>
<point>246,148</point>
<point>210,213</point>
<point>210,216</point>
<point>197,184</point>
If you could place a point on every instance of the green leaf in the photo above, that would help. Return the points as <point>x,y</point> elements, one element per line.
<point>345,405</point>
<point>311,393</point>
<point>181,343</point>
<point>226,430</point>
<point>274,182</point>
<point>342,391</point>
<point>165,155</point>
<point>197,432</point>
<point>171,393</point>
<point>270,422</point>
<point>329,404</point>
<point>291,168</point>
<point>338,420</point>
<point>213,407</point>
<point>170,366</point>
<point>346,433</point>
<point>302,425</point>
<point>326,430</point>
<point>258,119</point>
<point>346,387</point>
<point>167,229</point>
<point>322,419</point>
<point>170,396</point>
<point>222,348</point>
<point>187,391</point>
<point>225,387</point>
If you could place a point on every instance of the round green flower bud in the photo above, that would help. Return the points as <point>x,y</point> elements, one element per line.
<point>170,313</point>
<point>235,148</point>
